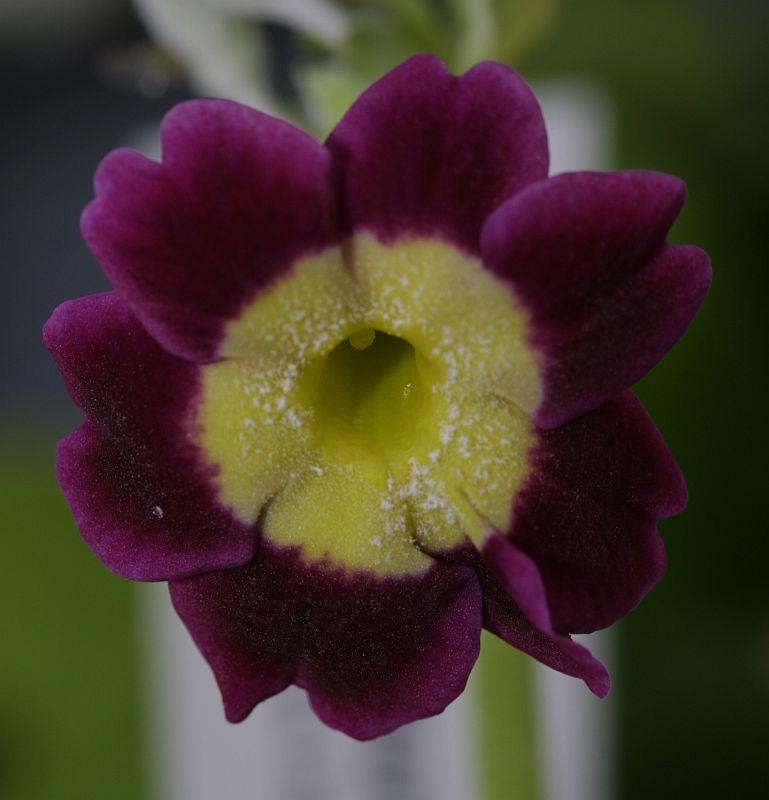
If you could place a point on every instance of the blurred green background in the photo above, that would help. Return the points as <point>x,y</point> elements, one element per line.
<point>689,82</point>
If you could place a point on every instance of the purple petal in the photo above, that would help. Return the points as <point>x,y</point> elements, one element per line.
<point>587,516</point>
<point>135,481</point>
<point>586,255</point>
<point>424,152</point>
<point>511,584</point>
<point>239,197</point>
<point>373,653</point>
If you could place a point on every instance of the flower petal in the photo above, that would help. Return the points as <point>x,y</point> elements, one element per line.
<point>586,516</point>
<point>532,633</point>
<point>586,255</point>
<point>373,653</point>
<point>239,196</point>
<point>424,152</point>
<point>139,491</point>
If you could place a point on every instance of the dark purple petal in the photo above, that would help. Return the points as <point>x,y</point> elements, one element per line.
<point>134,479</point>
<point>587,516</point>
<point>238,197</point>
<point>373,653</point>
<point>425,152</point>
<point>586,254</point>
<point>511,584</point>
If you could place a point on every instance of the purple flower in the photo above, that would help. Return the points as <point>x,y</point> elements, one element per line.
<point>356,401</point>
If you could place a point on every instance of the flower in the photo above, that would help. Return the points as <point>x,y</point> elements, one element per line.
<point>356,401</point>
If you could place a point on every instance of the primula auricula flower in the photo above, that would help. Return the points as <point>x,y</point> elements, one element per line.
<point>357,401</point>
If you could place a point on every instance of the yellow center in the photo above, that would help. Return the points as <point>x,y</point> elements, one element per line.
<point>369,406</point>
<point>372,401</point>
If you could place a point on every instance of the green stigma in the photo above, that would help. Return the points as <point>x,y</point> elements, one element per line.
<point>363,338</point>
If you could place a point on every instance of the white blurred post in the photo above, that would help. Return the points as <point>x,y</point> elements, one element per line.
<point>576,731</point>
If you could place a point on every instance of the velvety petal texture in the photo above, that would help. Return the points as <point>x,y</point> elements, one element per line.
<point>511,583</point>
<point>607,297</point>
<point>140,493</point>
<point>587,518</point>
<point>372,653</point>
<point>517,612</point>
<point>188,242</point>
<point>425,152</point>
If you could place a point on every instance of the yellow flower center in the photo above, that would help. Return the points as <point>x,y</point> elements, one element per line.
<point>372,400</point>
<point>368,406</point>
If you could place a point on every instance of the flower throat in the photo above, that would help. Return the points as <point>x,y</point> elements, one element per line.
<point>372,400</point>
